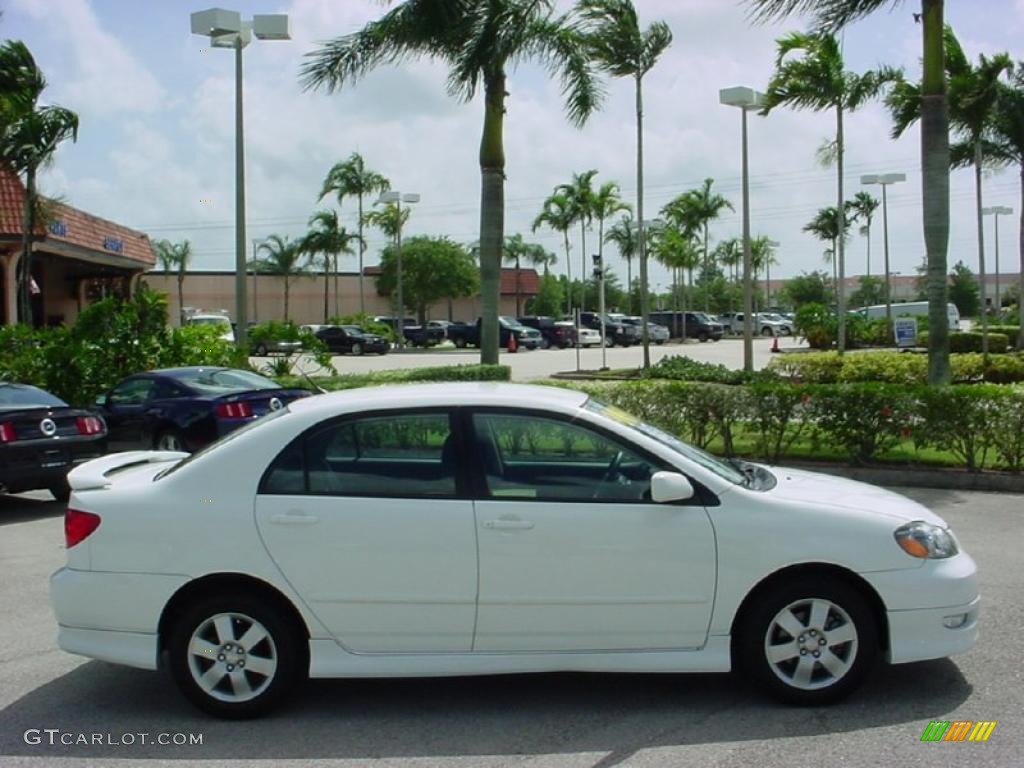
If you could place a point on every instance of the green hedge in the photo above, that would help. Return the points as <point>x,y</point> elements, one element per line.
<point>974,425</point>
<point>402,376</point>
<point>970,341</point>
<point>894,367</point>
<point>683,368</point>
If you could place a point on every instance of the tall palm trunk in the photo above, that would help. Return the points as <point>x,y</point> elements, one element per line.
<point>645,300</point>
<point>492,212</point>
<point>840,254</point>
<point>327,285</point>
<point>935,187</point>
<point>707,271</point>
<point>362,250</point>
<point>867,230</point>
<point>583,266</point>
<point>287,290</point>
<point>519,292</point>
<point>568,275</point>
<point>1020,284</point>
<point>981,250</point>
<point>629,283</point>
<point>181,295</point>
<point>28,225</point>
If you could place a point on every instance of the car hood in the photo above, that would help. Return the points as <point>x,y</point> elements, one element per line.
<point>801,486</point>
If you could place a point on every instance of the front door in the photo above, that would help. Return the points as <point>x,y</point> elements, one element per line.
<point>367,519</point>
<point>573,554</point>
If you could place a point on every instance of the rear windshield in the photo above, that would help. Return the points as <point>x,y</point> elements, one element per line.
<point>24,395</point>
<point>209,321</point>
<point>224,381</point>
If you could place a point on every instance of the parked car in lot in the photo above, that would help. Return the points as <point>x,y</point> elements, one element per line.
<point>697,325</point>
<point>42,438</point>
<point>351,340</point>
<point>655,332</point>
<point>221,322</point>
<point>183,409</point>
<point>263,346</point>
<point>909,309</point>
<point>464,334</point>
<point>494,528</point>
<point>585,337</point>
<point>412,332</point>
<point>615,331</point>
<point>553,333</point>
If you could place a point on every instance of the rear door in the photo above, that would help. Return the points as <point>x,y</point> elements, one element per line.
<point>125,413</point>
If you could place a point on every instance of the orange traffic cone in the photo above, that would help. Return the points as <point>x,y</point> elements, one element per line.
<point>775,345</point>
<point>513,345</point>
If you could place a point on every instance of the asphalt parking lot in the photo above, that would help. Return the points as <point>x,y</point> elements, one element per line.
<point>536,720</point>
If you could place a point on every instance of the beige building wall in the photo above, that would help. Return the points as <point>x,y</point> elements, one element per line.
<point>216,291</point>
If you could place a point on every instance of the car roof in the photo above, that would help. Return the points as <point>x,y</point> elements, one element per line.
<point>442,394</point>
<point>183,371</point>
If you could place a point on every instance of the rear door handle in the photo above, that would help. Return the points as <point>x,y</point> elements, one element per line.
<point>509,525</point>
<point>294,518</point>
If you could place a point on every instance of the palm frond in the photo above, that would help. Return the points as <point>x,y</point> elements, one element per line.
<point>559,46</point>
<point>826,14</point>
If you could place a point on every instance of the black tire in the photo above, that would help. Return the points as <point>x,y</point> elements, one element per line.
<point>169,439</point>
<point>545,343</point>
<point>357,349</point>
<point>858,656</point>
<point>460,343</point>
<point>60,491</point>
<point>702,337</point>
<point>285,646</point>
<point>766,331</point>
<point>261,350</point>
<point>659,342</point>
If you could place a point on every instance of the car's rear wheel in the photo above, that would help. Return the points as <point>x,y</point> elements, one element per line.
<point>460,343</point>
<point>357,348</point>
<point>545,343</point>
<point>808,641</point>
<point>169,440</point>
<point>261,350</point>
<point>766,331</point>
<point>234,656</point>
<point>702,337</point>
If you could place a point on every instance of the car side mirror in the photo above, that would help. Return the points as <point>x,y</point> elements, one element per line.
<point>670,486</point>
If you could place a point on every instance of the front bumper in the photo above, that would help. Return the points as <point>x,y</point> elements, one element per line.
<point>924,634</point>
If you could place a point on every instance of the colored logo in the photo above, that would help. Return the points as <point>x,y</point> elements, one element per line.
<point>958,730</point>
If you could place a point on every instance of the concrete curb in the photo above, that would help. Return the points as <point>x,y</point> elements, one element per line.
<point>945,478</point>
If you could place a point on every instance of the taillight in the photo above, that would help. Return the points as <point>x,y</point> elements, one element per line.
<point>89,425</point>
<point>7,433</point>
<point>240,410</point>
<point>78,525</point>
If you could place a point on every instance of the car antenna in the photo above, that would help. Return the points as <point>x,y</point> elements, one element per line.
<point>313,384</point>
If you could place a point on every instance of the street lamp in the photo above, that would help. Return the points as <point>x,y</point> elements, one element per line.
<point>884,180</point>
<point>997,211</point>
<point>227,30</point>
<point>768,274</point>
<point>746,99</point>
<point>393,196</point>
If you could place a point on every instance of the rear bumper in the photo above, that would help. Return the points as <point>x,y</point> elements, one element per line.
<point>117,602</point>
<point>133,649</point>
<point>26,470</point>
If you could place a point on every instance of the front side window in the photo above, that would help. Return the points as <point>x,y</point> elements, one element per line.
<point>132,392</point>
<point>546,459</point>
<point>403,455</point>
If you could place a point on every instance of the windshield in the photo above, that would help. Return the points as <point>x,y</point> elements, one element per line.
<point>222,381</point>
<point>209,321</point>
<point>720,467</point>
<point>510,322</point>
<point>24,395</point>
<point>353,329</point>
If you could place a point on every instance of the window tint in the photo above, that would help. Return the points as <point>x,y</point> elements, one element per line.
<point>132,392</point>
<point>407,455</point>
<point>165,389</point>
<point>534,457</point>
<point>18,395</point>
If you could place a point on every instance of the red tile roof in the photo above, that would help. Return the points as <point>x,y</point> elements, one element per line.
<point>73,226</point>
<point>529,280</point>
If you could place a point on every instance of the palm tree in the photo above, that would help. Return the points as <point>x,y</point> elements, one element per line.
<point>729,253</point>
<point>826,225</point>
<point>557,215</point>
<point>517,251</point>
<point>621,49</point>
<point>836,14</point>
<point>863,207</point>
<point>29,137</point>
<point>676,248</point>
<point>478,40</point>
<point>351,178</point>
<point>815,79</point>
<point>328,238</point>
<point>1005,146</point>
<point>762,257</point>
<point>390,219</point>
<point>705,208</point>
<point>624,234</point>
<point>580,193</point>
<point>176,257</point>
<point>284,257</point>
<point>605,204</point>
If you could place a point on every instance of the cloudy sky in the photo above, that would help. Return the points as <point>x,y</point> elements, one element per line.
<point>156,146</point>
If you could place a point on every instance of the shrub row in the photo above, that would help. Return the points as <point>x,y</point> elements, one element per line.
<point>864,420</point>
<point>971,341</point>
<point>401,376</point>
<point>894,367</point>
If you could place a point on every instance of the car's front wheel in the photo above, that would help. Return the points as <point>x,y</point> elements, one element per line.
<point>169,440</point>
<point>234,656</point>
<point>357,349</point>
<point>808,641</point>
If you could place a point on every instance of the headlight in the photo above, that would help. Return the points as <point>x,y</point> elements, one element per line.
<point>921,539</point>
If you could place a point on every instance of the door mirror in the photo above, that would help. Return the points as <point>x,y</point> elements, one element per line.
<point>670,486</point>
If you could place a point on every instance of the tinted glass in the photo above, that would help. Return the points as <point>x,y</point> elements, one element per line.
<point>534,457</point>
<point>131,392</point>
<point>219,381</point>
<point>21,395</point>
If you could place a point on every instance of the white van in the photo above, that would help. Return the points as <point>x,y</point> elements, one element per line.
<point>221,322</point>
<point>912,309</point>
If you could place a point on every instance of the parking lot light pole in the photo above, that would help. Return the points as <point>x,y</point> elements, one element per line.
<point>227,30</point>
<point>996,211</point>
<point>599,274</point>
<point>885,179</point>
<point>393,196</point>
<point>746,99</point>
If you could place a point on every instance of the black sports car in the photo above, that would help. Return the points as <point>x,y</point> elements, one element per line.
<point>183,409</point>
<point>42,438</point>
<point>342,339</point>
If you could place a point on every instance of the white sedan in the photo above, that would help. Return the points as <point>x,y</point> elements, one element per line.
<point>493,528</point>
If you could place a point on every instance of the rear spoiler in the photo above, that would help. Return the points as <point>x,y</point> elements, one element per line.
<point>93,474</point>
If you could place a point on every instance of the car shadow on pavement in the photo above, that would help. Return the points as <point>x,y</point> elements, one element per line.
<point>610,716</point>
<point>23,509</point>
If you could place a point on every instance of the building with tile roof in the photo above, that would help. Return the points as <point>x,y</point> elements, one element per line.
<point>78,257</point>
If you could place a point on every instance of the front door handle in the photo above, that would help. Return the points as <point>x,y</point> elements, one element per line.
<point>509,525</point>
<point>294,518</point>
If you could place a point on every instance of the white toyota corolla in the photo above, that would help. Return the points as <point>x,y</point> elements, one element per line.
<point>491,528</point>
